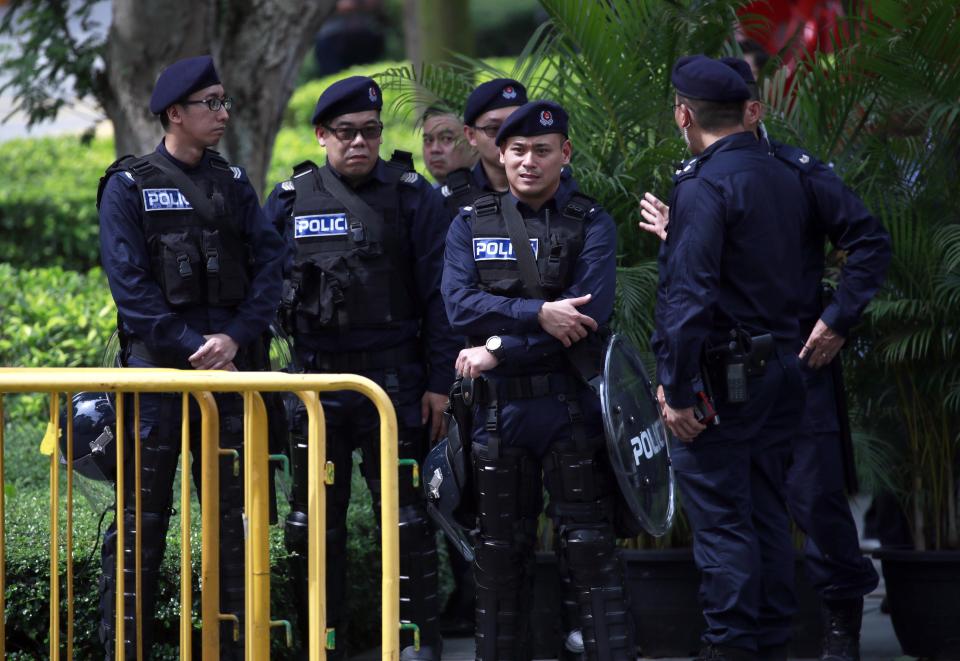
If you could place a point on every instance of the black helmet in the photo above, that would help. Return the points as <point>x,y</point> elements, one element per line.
<point>94,426</point>
<point>445,487</point>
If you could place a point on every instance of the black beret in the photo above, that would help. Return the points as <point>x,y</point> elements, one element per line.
<point>353,94</point>
<point>534,118</point>
<point>742,67</point>
<point>700,77</point>
<point>497,93</point>
<point>180,80</point>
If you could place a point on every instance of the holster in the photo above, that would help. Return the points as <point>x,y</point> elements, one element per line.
<point>727,366</point>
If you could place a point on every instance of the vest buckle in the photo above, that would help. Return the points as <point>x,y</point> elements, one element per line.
<point>183,266</point>
<point>213,262</point>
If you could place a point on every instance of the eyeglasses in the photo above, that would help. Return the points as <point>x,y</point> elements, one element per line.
<point>349,133</point>
<point>213,104</point>
<point>490,130</point>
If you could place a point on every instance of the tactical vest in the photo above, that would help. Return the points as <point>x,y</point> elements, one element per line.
<point>348,271</point>
<point>196,260</point>
<point>458,191</point>
<point>556,239</point>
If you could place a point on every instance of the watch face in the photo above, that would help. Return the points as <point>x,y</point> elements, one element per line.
<point>493,343</point>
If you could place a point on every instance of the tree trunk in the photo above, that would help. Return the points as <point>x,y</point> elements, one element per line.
<point>144,37</point>
<point>436,28</point>
<point>258,46</point>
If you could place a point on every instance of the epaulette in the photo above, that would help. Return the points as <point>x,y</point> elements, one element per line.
<point>687,169</point>
<point>795,157</point>
<point>287,185</point>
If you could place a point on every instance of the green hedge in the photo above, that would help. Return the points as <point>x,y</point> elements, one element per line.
<point>48,214</point>
<point>54,317</point>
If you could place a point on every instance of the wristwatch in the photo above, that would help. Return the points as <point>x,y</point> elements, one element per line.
<point>495,346</point>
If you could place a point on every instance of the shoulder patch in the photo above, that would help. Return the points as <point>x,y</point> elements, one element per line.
<point>794,157</point>
<point>445,191</point>
<point>287,185</point>
<point>237,172</point>
<point>687,169</point>
<point>409,177</point>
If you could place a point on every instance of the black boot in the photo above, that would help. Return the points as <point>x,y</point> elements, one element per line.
<point>841,629</point>
<point>725,653</point>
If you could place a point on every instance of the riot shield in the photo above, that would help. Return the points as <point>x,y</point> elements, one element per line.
<point>637,440</point>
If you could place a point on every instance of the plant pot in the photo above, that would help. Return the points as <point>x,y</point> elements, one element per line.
<point>663,587</point>
<point>923,590</point>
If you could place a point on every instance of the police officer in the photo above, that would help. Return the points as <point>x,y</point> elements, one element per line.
<point>816,498</point>
<point>362,296</point>
<point>445,149</point>
<point>815,483</point>
<point>726,339</point>
<point>485,111</point>
<point>195,271</point>
<point>535,412</point>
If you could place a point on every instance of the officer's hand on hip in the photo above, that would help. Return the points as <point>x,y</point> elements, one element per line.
<point>822,346</point>
<point>216,353</point>
<point>656,214</point>
<point>432,406</point>
<point>682,422</point>
<point>562,320</point>
<point>475,361</point>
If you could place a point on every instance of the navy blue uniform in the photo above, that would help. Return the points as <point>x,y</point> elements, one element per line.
<point>548,431</point>
<point>157,334</point>
<point>407,358</point>
<point>730,261</point>
<point>816,496</point>
<point>143,311</point>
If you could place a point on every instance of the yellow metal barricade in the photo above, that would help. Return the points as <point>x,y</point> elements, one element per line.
<point>200,385</point>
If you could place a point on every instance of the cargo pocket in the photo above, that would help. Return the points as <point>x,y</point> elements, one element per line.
<point>181,269</point>
<point>227,278</point>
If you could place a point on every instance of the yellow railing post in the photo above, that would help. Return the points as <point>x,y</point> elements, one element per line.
<point>200,385</point>
<point>119,649</point>
<point>54,533</point>
<point>209,525</point>
<point>186,554</point>
<point>257,544</point>
<point>316,525</point>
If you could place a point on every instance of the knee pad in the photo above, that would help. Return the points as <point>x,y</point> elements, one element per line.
<point>509,494</point>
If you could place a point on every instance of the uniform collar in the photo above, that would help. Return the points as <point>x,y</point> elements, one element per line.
<point>558,201</point>
<point>733,141</point>
<point>162,149</point>
<point>480,177</point>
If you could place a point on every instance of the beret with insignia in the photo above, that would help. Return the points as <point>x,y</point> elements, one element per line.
<point>353,94</point>
<point>493,94</point>
<point>700,77</point>
<point>180,80</point>
<point>534,118</point>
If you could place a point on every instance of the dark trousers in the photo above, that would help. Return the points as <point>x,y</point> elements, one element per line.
<point>160,429</point>
<point>817,500</point>
<point>352,424</point>
<point>732,483</point>
<point>537,448</point>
